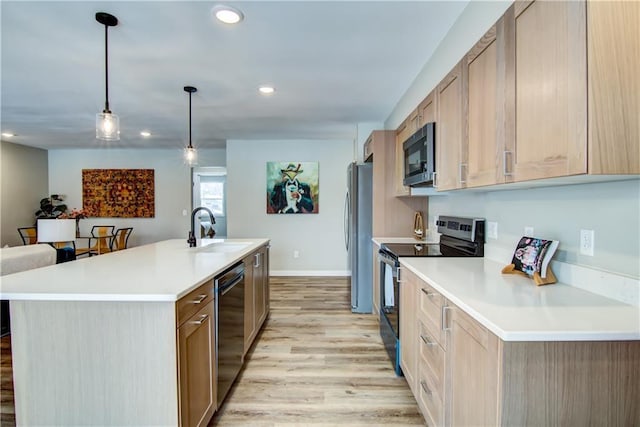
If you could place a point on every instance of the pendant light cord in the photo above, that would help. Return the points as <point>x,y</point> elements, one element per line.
<point>106,68</point>
<point>190,146</point>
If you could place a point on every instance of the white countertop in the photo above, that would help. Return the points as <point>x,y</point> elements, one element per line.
<point>163,271</point>
<point>515,309</point>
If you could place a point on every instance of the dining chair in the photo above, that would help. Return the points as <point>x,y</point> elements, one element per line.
<point>29,235</point>
<point>121,238</point>
<point>99,242</point>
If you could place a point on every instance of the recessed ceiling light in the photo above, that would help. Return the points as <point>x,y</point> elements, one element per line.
<point>266,90</point>
<point>145,134</point>
<point>227,14</point>
<point>8,134</point>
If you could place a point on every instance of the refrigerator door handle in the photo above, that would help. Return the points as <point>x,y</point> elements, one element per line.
<point>347,224</point>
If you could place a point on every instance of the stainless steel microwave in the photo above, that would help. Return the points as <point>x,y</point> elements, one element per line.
<point>420,157</point>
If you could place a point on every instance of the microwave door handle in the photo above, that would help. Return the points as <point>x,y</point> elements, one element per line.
<point>435,181</point>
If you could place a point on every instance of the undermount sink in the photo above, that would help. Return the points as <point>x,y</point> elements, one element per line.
<point>224,247</point>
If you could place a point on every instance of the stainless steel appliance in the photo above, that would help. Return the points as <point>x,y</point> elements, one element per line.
<point>460,237</point>
<point>357,234</point>
<point>420,157</point>
<point>229,291</point>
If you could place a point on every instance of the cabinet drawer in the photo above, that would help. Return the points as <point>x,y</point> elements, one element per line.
<point>193,301</point>
<point>429,399</point>
<point>430,304</point>
<point>432,355</point>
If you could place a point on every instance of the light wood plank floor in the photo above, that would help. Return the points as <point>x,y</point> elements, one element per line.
<point>314,364</point>
<point>317,364</point>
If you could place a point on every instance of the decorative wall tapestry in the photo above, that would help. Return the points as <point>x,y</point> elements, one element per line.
<point>118,193</point>
<point>292,187</point>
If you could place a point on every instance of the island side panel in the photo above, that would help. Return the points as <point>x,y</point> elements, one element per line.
<point>94,363</point>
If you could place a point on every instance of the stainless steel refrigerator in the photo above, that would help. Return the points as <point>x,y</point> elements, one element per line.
<point>357,234</point>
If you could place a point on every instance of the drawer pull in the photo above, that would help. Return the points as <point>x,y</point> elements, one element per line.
<point>426,390</point>
<point>427,293</point>
<point>202,319</point>
<point>426,340</point>
<point>200,299</point>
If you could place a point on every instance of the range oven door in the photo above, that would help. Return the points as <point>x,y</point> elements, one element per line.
<point>389,307</point>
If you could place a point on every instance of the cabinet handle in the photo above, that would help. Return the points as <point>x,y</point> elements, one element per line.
<point>200,299</point>
<point>423,384</point>
<point>257,260</point>
<point>427,293</point>
<point>504,162</point>
<point>398,275</point>
<point>435,181</point>
<point>444,318</point>
<point>201,321</point>
<point>460,174</point>
<point>427,341</point>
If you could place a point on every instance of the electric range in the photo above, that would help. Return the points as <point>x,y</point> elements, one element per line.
<point>459,237</point>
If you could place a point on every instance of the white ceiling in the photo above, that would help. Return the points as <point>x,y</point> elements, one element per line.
<point>334,64</point>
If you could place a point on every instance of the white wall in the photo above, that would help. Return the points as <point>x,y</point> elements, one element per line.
<point>24,184</point>
<point>611,209</point>
<point>317,237</point>
<point>172,186</point>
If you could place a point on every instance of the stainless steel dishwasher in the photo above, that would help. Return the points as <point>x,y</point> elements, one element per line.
<point>229,289</point>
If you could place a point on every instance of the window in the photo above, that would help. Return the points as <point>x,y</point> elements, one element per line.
<point>212,194</point>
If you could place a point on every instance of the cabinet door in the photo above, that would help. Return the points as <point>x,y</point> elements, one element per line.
<point>485,144</point>
<point>260,290</point>
<point>550,91</point>
<point>406,129</point>
<point>196,367</point>
<point>427,110</point>
<point>408,328</point>
<point>473,358</point>
<point>614,87</point>
<point>449,131</point>
<point>249,303</point>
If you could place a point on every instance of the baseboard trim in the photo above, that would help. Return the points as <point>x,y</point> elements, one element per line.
<point>327,273</point>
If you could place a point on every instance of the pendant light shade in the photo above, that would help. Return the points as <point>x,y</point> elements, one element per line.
<point>190,153</point>
<point>107,123</point>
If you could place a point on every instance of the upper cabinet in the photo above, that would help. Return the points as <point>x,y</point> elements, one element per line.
<point>613,35</point>
<point>551,90</point>
<point>450,136</point>
<point>486,107</point>
<point>548,67</point>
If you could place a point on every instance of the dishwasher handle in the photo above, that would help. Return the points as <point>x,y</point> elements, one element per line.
<point>226,287</point>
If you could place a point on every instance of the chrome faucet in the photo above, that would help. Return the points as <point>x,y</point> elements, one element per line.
<point>192,237</point>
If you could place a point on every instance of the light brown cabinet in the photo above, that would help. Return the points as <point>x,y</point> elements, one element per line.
<point>485,72</point>
<point>450,138</point>
<point>408,328</point>
<point>550,77</point>
<point>196,357</point>
<point>466,375</point>
<point>613,43</point>
<point>256,298</point>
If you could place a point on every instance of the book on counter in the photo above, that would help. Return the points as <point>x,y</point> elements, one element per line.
<point>533,255</point>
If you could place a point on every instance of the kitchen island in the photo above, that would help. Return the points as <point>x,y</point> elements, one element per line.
<point>100,341</point>
<point>479,347</point>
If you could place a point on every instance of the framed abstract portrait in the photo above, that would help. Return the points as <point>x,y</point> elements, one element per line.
<point>292,187</point>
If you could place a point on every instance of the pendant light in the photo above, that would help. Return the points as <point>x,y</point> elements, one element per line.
<point>107,123</point>
<point>190,153</point>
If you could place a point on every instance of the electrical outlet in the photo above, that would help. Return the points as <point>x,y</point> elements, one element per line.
<point>296,254</point>
<point>528,231</point>
<point>492,230</point>
<point>587,242</point>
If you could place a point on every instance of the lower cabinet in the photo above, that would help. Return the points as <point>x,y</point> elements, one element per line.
<point>196,361</point>
<point>256,299</point>
<point>462,374</point>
